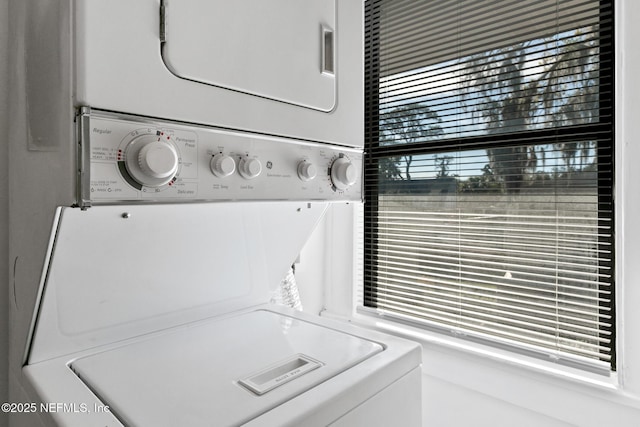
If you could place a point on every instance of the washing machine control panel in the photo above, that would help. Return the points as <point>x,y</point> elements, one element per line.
<point>125,159</point>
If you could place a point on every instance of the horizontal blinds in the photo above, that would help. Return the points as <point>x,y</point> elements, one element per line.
<point>489,174</point>
<point>435,31</point>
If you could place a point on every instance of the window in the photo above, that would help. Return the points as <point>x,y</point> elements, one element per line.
<point>489,173</point>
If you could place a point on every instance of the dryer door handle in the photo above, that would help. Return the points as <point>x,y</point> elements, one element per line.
<point>328,51</point>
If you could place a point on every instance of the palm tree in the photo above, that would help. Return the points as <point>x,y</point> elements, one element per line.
<point>564,92</point>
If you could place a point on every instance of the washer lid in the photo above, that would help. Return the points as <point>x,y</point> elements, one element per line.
<point>121,271</point>
<point>277,49</point>
<point>197,374</point>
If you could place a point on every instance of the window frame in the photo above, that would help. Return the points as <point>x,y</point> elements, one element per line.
<point>590,131</point>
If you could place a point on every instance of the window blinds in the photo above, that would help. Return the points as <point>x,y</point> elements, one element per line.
<point>489,174</point>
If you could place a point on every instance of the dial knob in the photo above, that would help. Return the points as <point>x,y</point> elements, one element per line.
<point>343,173</point>
<point>307,171</point>
<point>158,160</point>
<point>222,165</point>
<point>249,168</point>
<point>150,161</point>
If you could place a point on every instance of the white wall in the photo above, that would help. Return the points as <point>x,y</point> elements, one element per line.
<point>470,385</point>
<point>4,203</point>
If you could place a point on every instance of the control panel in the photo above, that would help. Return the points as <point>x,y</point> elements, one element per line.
<point>127,159</point>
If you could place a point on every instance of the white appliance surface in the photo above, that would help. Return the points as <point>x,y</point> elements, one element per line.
<point>120,271</point>
<point>153,298</point>
<point>279,67</point>
<point>282,57</point>
<point>160,313</point>
<point>207,163</point>
<point>313,371</point>
<point>183,378</point>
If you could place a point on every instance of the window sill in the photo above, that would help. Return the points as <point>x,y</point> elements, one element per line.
<point>494,371</point>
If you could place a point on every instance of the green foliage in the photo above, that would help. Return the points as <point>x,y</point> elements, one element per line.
<point>562,91</point>
<point>442,165</point>
<point>487,183</point>
<point>406,124</point>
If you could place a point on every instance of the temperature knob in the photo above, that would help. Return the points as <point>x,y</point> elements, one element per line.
<point>150,161</point>
<point>307,171</point>
<point>249,168</point>
<point>222,165</point>
<point>343,173</point>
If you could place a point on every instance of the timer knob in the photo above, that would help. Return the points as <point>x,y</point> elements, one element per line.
<point>222,165</point>
<point>343,173</point>
<point>158,160</point>
<point>150,161</point>
<point>307,171</point>
<point>249,168</point>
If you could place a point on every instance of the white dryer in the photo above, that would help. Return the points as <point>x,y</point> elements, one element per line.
<point>281,67</point>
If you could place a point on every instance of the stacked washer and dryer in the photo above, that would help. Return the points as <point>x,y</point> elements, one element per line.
<point>169,160</point>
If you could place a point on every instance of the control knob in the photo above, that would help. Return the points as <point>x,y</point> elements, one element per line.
<point>307,171</point>
<point>249,168</point>
<point>151,162</point>
<point>158,160</point>
<point>343,173</point>
<point>222,165</point>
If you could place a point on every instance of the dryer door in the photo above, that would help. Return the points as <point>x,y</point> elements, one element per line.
<point>277,49</point>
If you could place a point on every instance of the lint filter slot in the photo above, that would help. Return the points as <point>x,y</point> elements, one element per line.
<point>281,373</point>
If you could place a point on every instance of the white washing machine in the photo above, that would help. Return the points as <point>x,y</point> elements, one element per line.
<point>184,151</point>
<point>154,306</point>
